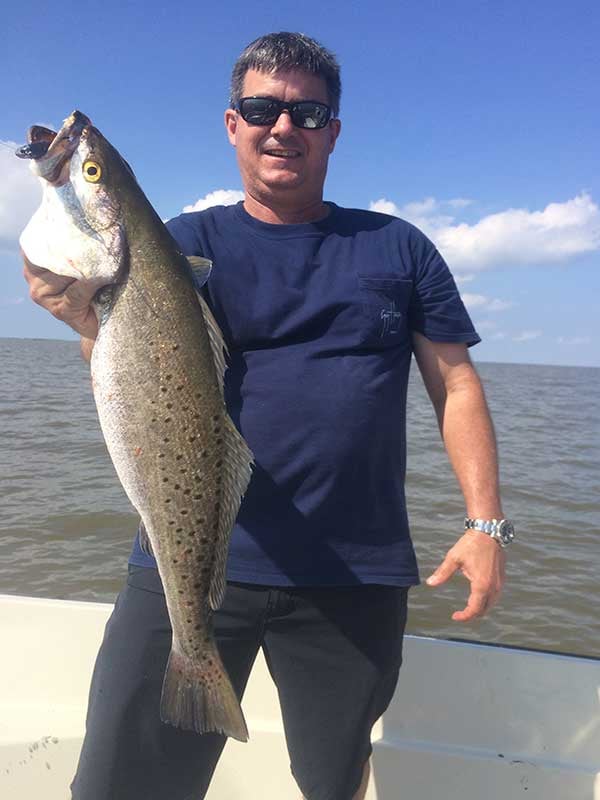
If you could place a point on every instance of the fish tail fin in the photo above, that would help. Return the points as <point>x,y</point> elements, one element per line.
<point>201,698</point>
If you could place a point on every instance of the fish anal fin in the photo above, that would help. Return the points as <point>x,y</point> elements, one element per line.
<point>144,539</point>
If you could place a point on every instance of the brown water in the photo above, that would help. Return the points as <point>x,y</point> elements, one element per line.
<point>66,526</point>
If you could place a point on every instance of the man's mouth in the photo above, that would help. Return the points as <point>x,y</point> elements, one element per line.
<point>281,153</point>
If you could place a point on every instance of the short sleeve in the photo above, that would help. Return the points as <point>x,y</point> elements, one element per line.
<point>185,234</point>
<point>186,237</point>
<point>436,309</point>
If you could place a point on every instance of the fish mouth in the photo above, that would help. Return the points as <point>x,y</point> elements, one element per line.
<point>50,151</point>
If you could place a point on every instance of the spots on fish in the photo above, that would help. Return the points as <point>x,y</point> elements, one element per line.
<point>192,438</point>
<point>178,457</point>
<point>178,530</point>
<point>167,419</point>
<point>177,541</point>
<point>187,491</point>
<point>183,512</point>
<point>175,561</point>
<point>168,377</point>
<point>165,480</point>
<point>166,440</point>
<point>161,455</point>
<point>197,497</point>
<point>179,388</point>
<point>168,500</point>
<point>204,454</point>
<point>177,486</point>
<point>163,388</point>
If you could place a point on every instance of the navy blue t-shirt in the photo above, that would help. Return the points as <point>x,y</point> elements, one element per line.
<point>318,319</point>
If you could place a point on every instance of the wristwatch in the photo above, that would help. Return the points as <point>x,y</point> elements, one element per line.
<point>502,530</point>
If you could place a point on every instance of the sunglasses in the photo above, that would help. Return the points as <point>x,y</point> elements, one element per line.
<point>265,111</point>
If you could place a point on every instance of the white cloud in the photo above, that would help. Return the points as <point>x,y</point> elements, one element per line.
<point>11,301</point>
<point>526,336</point>
<point>220,197</point>
<point>485,303</point>
<point>20,195</point>
<point>486,325</point>
<point>514,237</point>
<point>459,202</point>
<point>463,278</point>
<point>574,340</point>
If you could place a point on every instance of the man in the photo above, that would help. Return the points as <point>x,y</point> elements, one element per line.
<point>321,308</point>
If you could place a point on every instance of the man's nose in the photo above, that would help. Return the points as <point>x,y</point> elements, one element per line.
<point>283,124</point>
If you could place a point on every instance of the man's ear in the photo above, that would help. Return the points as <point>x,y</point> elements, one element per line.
<point>231,121</point>
<point>335,127</point>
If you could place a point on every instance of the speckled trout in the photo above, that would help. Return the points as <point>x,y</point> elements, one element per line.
<point>157,374</point>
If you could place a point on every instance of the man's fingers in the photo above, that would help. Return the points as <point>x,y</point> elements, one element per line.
<point>443,573</point>
<point>477,604</point>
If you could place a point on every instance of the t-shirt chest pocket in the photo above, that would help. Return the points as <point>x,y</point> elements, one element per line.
<point>384,303</point>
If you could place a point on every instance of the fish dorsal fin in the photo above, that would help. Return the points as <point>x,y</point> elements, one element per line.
<point>217,345</point>
<point>201,267</point>
<point>237,469</point>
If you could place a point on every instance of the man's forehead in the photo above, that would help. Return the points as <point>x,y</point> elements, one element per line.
<point>288,84</point>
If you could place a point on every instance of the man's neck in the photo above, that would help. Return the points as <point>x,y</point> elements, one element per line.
<point>276,214</point>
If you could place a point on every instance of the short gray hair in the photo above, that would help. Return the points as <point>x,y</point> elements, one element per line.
<point>276,52</point>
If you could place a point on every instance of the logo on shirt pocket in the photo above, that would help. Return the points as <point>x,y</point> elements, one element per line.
<point>385,304</point>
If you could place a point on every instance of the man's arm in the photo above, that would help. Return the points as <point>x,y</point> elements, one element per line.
<point>466,427</point>
<point>66,299</point>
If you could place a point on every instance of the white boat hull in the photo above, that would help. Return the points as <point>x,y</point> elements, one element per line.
<point>467,721</point>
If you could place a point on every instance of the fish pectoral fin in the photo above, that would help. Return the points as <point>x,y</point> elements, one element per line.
<point>201,268</point>
<point>144,539</point>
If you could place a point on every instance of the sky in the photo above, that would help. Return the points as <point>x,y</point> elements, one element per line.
<point>477,121</point>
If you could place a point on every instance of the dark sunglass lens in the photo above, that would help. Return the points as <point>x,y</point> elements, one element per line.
<point>310,115</point>
<point>258,110</point>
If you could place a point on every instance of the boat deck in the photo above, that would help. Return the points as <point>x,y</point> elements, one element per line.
<point>467,721</point>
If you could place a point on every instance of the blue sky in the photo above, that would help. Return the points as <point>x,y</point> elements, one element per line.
<point>478,121</point>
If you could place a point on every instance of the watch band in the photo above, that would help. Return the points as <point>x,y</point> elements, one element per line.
<point>502,530</point>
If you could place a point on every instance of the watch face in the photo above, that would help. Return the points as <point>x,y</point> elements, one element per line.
<point>507,531</point>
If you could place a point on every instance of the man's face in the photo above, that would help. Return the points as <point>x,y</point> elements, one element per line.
<point>280,163</point>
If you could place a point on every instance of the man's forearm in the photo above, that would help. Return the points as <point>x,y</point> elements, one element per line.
<point>468,435</point>
<point>86,346</point>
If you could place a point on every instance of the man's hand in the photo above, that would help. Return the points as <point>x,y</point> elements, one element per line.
<point>481,560</point>
<point>67,299</point>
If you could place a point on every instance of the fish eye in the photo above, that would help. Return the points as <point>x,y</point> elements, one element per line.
<point>92,171</point>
